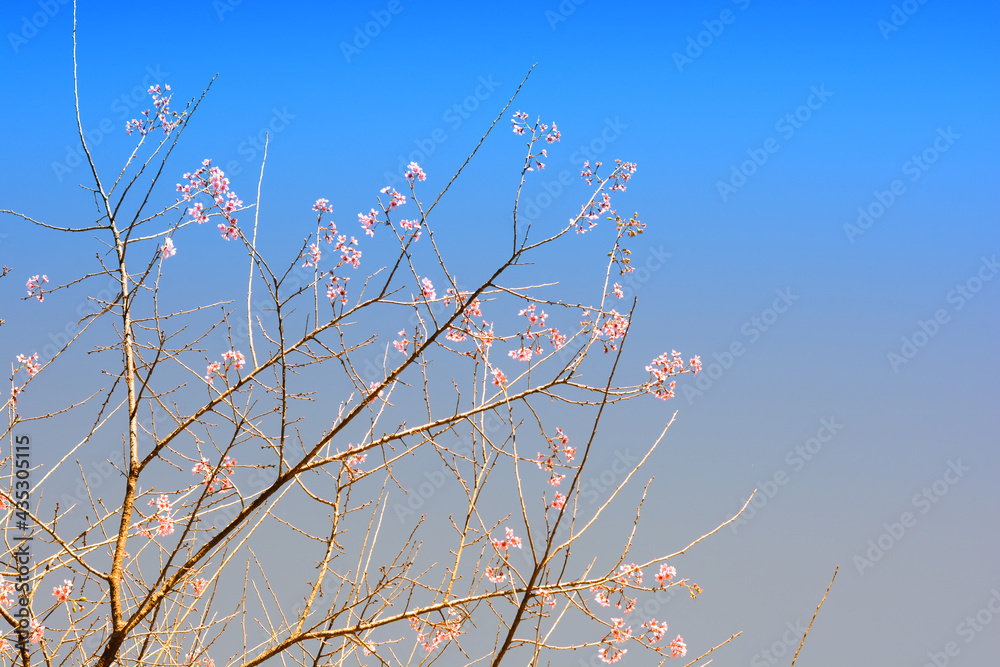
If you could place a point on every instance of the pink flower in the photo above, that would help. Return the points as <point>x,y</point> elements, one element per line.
<point>413,170</point>
<point>559,501</point>
<point>617,291</point>
<point>427,291</point>
<point>312,255</point>
<point>369,221</point>
<point>34,285</point>
<point>678,648</point>
<point>666,573</point>
<point>30,364</point>
<point>401,344</point>
<point>199,586</point>
<point>62,593</point>
<point>521,354</point>
<point>37,632</point>
<point>499,379</point>
<point>335,290</point>
<point>556,480</point>
<point>656,630</point>
<point>168,249</point>
<point>496,576</point>
<point>6,590</point>
<point>235,356</point>
<point>323,205</point>
<point>212,369</point>
<point>611,654</point>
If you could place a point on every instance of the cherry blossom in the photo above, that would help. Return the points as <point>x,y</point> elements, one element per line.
<point>213,182</point>
<point>63,592</point>
<point>559,501</point>
<point>29,364</point>
<point>413,171</point>
<point>401,344</point>
<point>37,632</point>
<point>666,366</point>
<point>678,649</point>
<point>199,586</point>
<point>35,287</point>
<point>666,573</point>
<point>162,516</point>
<point>323,205</point>
<point>168,249</point>
<point>169,120</point>
<point>219,481</point>
<point>499,379</point>
<point>427,289</point>
<point>337,290</point>
<point>6,591</point>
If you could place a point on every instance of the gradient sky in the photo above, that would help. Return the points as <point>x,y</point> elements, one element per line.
<point>837,104</point>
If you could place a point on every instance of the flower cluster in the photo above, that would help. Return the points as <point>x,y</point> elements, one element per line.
<point>497,574</point>
<point>531,339</point>
<point>354,461</point>
<point>435,634</point>
<point>213,182</point>
<point>162,517</point>
<point>199,586</point>
<point>337,290</point>
<point>169,120</point>
<point>34,286</point>
<point>234,357</point>
<point>619,583</point>
<point>6,591</point>
<point>539,131</point>
<point>29,364</point>
<point>215,480</point>
<point>63,592</point>
<point>614,327</point>
<point>551,459</point>
<point>413,171</point>
<point>472,309</point>
<point>400,345</point>
<point>666,366</point>
<point>168,249</point>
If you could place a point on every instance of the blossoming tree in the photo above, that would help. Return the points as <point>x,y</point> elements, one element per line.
<point>220,456</point>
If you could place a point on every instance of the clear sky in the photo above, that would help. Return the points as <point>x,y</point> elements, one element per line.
<point>818,182</point>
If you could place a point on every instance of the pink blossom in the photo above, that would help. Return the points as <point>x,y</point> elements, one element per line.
<point>521,354</point>
<point>63,592</point>
<point>559,501</point>
<point>401,344</point>
<point>666,573</point>
<point>413,171</point>
<point>212,369</point>
<point>369,221</point>
<point>427,289</point>
<point>611,654</point>
<point>678,648</point>
<point>335,290</point>
<point>617,291</point>
<point>34,286</point>
<point>656,630</point>
<point>199,586</point>
<point>354,461</point>
<point>323,205</point>
<point>6,590</point>
<point>312,255</point>
<point>37,632</point>
<point>30,364</point>
<point>494,575</point>
<point>499,379</point>
<point>556,480</point>
<point>168,249</point>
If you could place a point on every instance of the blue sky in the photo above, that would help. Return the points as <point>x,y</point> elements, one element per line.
<point>759,131</point>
